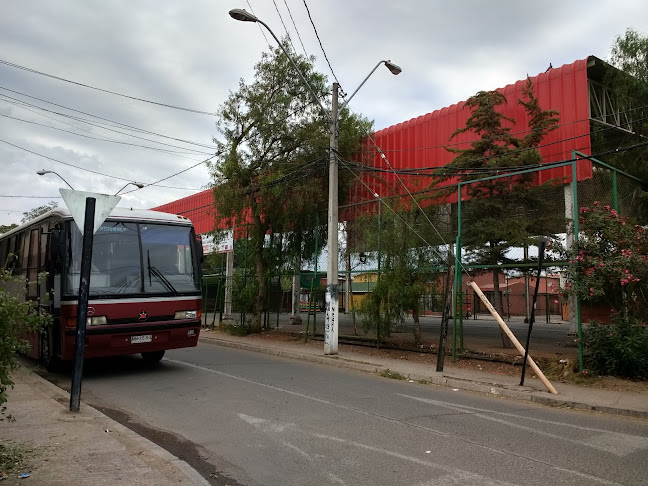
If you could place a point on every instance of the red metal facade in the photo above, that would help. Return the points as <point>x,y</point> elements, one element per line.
<point>199,208</point>
<point>421,142</point>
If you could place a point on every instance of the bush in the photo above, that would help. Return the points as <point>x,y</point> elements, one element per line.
<point>17,317</point>
<point>619,349</point>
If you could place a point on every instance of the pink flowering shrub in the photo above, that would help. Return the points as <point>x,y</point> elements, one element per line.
<point>609,263</point>
<point>609,266</point>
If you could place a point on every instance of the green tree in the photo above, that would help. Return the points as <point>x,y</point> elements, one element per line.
<point>17,316</point>
<point>507,212</point>
<point>409,262</point>
<point>35,212</point>
<point>271,169</point>
<point>6,227</point>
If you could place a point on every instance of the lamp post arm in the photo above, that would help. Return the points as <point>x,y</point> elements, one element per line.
<point>326,113</point>
<point>361,85</point>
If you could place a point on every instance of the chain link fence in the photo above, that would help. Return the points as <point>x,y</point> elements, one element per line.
<point>396,254</point>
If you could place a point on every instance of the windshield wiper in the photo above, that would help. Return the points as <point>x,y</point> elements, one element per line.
<point>159,276</point>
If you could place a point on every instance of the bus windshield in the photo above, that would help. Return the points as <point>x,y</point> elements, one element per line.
<point>134,258</point>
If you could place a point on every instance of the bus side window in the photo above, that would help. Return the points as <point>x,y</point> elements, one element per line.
<point>3,253</point>
<point>44,239</point>
<point>11,250</point>
<point>32,263</point>
<point>22,251</point>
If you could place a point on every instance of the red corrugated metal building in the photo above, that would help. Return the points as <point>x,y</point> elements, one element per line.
<point>421,142</point>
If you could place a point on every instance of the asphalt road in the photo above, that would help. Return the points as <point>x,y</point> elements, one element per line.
<point>252,419</point>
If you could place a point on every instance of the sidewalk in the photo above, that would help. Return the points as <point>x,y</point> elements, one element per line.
<point>84,448</point>
<point>571,396</point>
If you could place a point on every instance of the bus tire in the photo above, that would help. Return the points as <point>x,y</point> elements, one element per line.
<point>153,357</point>
<point>51,362</point>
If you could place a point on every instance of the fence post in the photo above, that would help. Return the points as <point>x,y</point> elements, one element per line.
<point>458,282</point>
<point>579,323</point>
<point>615,192</point>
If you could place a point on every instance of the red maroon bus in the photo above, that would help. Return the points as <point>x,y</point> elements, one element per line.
<point>145,283</point>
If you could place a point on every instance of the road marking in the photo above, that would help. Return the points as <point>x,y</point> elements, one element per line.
<point>395,421</point>
<point>605,440</point>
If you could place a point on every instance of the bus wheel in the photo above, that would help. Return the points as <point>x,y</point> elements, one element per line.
<point>51,362</point>
<point>153,356</point>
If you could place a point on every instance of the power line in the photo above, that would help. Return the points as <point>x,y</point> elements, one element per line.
<point>94,138</point>
<point>20,103</point>
<point>24,68</point>
<point>36,197</point>
<point>296,29</point>
<point>96,116</point>
<point>100,173</point>
<point>514,152</point>
<point>258,25</point>
<point>320,42</point>
<point>284,25</point>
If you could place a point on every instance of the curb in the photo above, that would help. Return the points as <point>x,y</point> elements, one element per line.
<point>91,413</point>
<point>437,378</point>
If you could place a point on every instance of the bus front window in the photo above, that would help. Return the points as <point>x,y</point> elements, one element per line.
<point>168,259</point>
<point>116,263</point>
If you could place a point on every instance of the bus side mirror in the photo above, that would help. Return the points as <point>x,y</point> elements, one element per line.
<point>199,249</point>
<point>57,250</point>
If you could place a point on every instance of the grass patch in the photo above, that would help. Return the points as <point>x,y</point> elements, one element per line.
<point>15,458</point>
<point>394,375</point>
<point>236,329</point>
<point>566,371</point>
<point>423,381</point>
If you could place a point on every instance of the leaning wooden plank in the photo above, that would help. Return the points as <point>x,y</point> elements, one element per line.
<point>513,339</point>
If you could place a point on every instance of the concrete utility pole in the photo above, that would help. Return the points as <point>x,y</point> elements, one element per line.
<point>332,307</point>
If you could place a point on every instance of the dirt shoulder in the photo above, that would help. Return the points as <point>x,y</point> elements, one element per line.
<point>490,361</point>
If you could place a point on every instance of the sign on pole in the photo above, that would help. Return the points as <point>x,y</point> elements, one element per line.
<point>89,211</point>
<point>76,203</point>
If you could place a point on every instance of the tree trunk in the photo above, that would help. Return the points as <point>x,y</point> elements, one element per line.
<point>259,237</point>
<point>417,326</point>
<point>296,318</point>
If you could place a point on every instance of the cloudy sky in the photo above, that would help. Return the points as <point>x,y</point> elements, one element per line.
<point>190,54</point>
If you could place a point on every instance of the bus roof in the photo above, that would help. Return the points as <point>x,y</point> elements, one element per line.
<point>128,214</point>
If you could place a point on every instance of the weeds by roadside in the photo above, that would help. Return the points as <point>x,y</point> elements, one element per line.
<point>15,458</point>
<point>394,375</point>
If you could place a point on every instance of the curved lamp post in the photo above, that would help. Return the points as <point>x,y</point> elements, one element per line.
<point>139,185</point>
<point>332,304</point>
<point>43,172</point>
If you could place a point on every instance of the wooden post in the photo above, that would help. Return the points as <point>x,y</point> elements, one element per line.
<point>513,339</point>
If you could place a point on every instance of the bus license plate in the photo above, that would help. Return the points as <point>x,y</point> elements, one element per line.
<point>144,338</point>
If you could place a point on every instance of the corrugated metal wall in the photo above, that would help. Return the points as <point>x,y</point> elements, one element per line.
<point>421,142</point>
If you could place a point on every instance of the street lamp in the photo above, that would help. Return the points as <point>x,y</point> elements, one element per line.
<point>332,305</point>
<point>43,172</point>
<point>138,184</point>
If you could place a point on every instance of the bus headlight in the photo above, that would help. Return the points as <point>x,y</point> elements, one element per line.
<point>96,321</point>
<point>188,314</point>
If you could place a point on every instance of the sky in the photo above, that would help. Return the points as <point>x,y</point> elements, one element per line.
<point>191,55</point>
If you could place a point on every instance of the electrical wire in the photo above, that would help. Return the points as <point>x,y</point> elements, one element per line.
<point>284,26</point>
<point>258,24</point>
<point>96,138</point>
<point>34,71</point>
<point>115,123</point>
<point>101,173</point>
<point>296,29</point>
<point>320,42</point>
<point>482,159</point>
<point>22,104</point>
